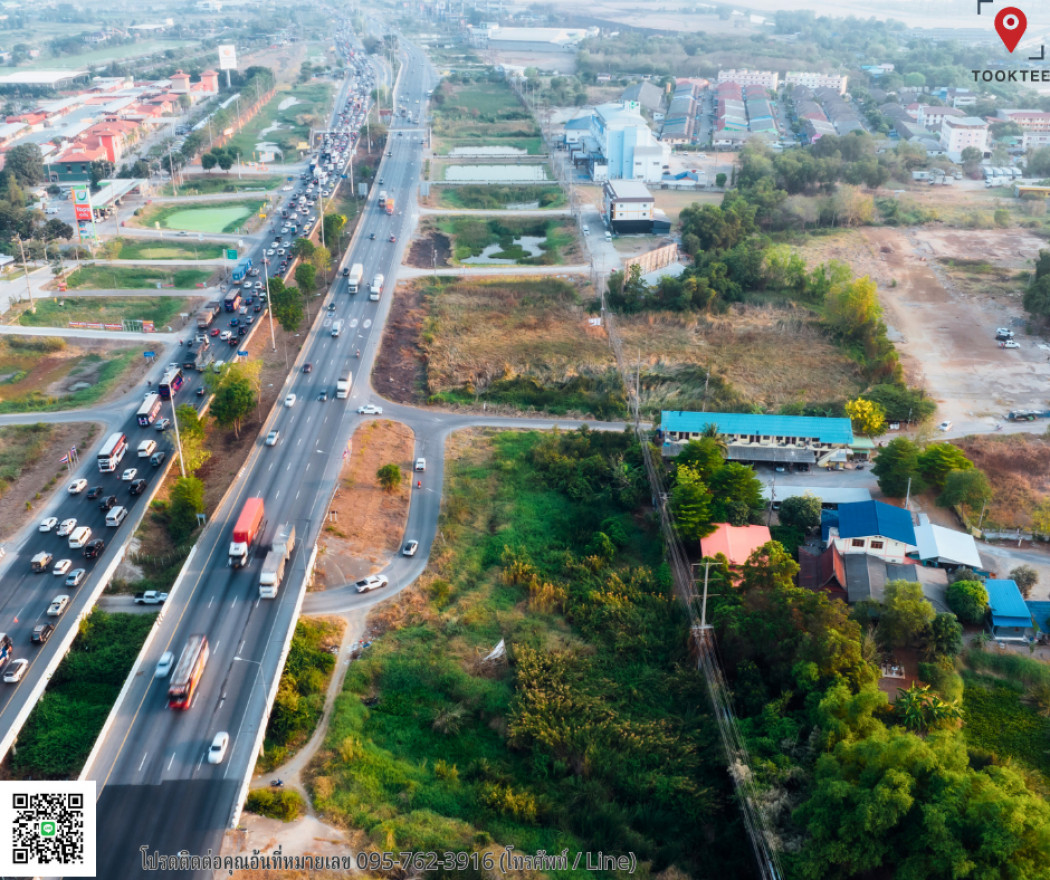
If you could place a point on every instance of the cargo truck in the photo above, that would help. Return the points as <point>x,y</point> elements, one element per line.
<point>382,198</point>
<point>342,386</point>
<point>353,281</point>
<point>273,566</point>
<point>247,529</point>
<point>208,314</point>
<point>388,204</point>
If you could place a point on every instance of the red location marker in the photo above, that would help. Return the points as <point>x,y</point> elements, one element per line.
<point>1010,24</point>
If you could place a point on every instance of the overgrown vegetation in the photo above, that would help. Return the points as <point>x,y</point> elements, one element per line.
<point>60,310</point>
<point>472,235</point>
<point>133,277</point>
<point>481,111</point>
<point>490,197</point>
<point>150,249</point>
<point>99,375</point>
<point>63,725</point>
<point>20,445</point>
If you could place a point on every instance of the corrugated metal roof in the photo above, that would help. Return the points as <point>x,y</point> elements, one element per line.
<point>867,518</point>
<point>1007,604</point>
<point>826,430</point>
<point>947,545</point>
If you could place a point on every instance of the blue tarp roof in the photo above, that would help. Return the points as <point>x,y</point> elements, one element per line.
<point>862,519</point>
<point>826,430</point>
<point>1007,604</point>
<point>1041,612</point>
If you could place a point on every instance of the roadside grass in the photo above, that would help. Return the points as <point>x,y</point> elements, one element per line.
<point>98,373</point>
<point>295,120</point>
<point>495,196</point>
<point>1018,469</point>
<point>145,249</point>
<point>58,312</point>
<point>20,446</point>
<point>597,729</point>
<point>205,185</point>
<point>63,726</point>
<point>94,276</point>
<point>472,235</point>
<point>215,217</point>
<point>523,342</point>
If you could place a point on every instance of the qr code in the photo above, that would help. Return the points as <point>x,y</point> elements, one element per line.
<point>47,828</point>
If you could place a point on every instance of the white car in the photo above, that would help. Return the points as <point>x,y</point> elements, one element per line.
<point>1004,331</point>
<point>225,336</point>
<point>1011,343</point>
<point>15,671</point>
<point>218,747</point>
<point>271,438</point>
<point>421,464</point>
<point>67,527</point>
<point>372,582</point>
<point>370,409</point>
<point>77,486</point>
<point>410,548</point>
<point>61,567</point>
<point>48,524</point>
<point>58,606</point>
<point>946,425</point>
<point>163,667</point>
<point>129,474</point>
<point>289,400</point>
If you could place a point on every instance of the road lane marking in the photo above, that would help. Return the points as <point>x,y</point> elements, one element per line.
<point>143,761</point>
<point>172,761</point>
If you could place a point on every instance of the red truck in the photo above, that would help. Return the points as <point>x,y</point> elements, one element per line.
<point>388,205</point>
<point>249,525</point>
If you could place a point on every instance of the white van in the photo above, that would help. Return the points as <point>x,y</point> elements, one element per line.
<point>116,516</point>
<point>79,537</point>
<point>337,328</point>
<point>376,288</point>
<point>147,448</point>
<point>608,236</point>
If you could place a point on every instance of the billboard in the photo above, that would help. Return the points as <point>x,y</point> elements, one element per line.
<point>82,203</point>
<point>227,57</point>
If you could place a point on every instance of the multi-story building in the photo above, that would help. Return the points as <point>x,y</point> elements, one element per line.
<point>816,80</point>
<point>618,145</point>
<point>627,205</point>
<point>959,133</point>
<point>768,79</point>
<point>1029,120</point>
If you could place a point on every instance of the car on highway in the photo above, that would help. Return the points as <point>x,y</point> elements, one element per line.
<point>372,237</point>
<point>61,567</point>
<point>137,486</point>
<point>16,670</point>
<point>323,396</point>
<point>372,582</point>
<point>215,331</point>
<point>48,524</point>
<point>217,750</point>
<point>93,548</point>
<point>107,502</point>
<point>273,437</point>
<point>308,367</point>
<point>370,409</point>
<point>57,606</point>
<point>421,464</point>
<point>41,633</point>
<point>164,664</point>
<point>162,424</point>
<point>410,548</point>
<point>95,492</point>
<point>67,527</point>
<point>289,401</point>
<point>76,577</point>
<point>393,238</point>
<point>77,486</point>
<point>129,474</point>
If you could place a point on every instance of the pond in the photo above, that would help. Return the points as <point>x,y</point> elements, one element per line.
<point>529,245</point>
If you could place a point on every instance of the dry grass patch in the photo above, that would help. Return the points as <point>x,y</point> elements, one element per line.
<point>1018,467</point>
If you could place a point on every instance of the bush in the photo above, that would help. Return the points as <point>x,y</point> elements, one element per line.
<point>285,804</point>
<point>969,601</point>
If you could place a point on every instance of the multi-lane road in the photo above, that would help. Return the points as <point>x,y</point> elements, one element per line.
<point>156,789</point>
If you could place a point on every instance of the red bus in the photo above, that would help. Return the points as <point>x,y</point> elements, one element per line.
<point>188,672</point>
<point>110,455</point>
<point>149,410</point>
<point>170,383</point>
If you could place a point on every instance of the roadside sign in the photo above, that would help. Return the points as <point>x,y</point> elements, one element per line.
<point>149,354</point>
<point>243,353</point>
<point>231,253</point>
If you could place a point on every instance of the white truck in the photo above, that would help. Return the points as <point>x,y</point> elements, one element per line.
<point>376,289</point>
<point>342,386</point>
<point>353,281</point>
<point>273,566</point>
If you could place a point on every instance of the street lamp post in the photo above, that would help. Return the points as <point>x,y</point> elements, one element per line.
<point>269,303</point>
<point>178,439</point>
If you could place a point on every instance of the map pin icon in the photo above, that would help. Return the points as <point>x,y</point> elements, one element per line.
<point>1010,24</point>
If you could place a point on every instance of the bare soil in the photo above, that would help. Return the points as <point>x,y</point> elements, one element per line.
<point>1018,467</point>
<point>366,524</point>
<point>400,368</point>
<point>432,249</point>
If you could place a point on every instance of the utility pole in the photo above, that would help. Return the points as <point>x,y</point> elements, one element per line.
<point>25,268</point>
<point>178,440</point>
<point>907,496</point>
<point>269,303</point>
<point>703,604</point>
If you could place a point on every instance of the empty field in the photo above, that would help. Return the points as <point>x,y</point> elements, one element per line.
<point>145,249</point>
<point>482,114</point>
<point>136,277</point>
<point>203,185</point>
<point>284,121</point>
<point>59,311</point>
<point>202,216</point>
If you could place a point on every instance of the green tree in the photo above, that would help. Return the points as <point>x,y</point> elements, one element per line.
<point>736,491</point>
<point>286,304</point>
<point>800,511</point>
<point>100,169</point>
<point>906,614</point>
<point>720,180</point>
<point>234,399</point>
<point>938,460</point>
<point>390,477</point>
<point>969,488</point>
<point>943,638</point>
<point>225,157</point>
<point>333,226</point>
<point>868,418</point>
<point>321,258</point>
<point>969,601</point>
<point>208,161</point>
<point>302,248</point>
<point>919,709</point>
<point>896,464</point>
<point>26,163</point>
<point>690,503</point>
<point>704,456</point>
<point>191,437</point>
<point>305,277</point>
<point>186,501</point>
<point>852,307</point>
<point>901,404</point>
<point>1025,577</point>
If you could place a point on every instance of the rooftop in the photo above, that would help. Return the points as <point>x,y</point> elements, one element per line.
<point>736,543</point>
<point>947,545</point>
<point>1007,604</point>
<point>629,189</point>
<point>864,519</point>
<point>825,430</point>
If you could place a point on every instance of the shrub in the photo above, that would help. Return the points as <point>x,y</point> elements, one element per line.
<point>969,600</point>
<point>285,805</point>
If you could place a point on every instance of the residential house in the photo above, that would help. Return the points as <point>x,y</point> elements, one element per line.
<point>1009,619</point>
<point>816,80</point>
<point>735,543</point>
<point>946,548</point>
<point>871,527</point>
<point>959,133</point>
<point>852,577</point>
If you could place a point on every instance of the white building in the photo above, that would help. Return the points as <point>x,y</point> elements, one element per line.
<point>960,132</point>
<point>816,80</point>
<point>768,79</point>
<point>620,146</point>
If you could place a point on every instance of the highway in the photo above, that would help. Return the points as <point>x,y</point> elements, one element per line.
<point>155,788</point>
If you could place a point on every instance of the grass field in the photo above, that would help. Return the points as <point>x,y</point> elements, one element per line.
<point>61,730</point>
<point>102,56</point>
<point>479,197</point>
<point>145,249</point>
<point>595,728</point>
<point>482,113</point>
<point>471,236</point>
<point>96,277</point>
<point>294,121</point>
<point>201,185</point>
<point>60,311</point>
<point>202,217</point>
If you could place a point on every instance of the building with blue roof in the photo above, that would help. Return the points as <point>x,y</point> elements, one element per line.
<point>875,528</point>
<point>1010,618</point>
<point>753,438</point>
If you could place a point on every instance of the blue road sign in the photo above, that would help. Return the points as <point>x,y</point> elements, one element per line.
<point>242,353</point>
<point>149,354</point>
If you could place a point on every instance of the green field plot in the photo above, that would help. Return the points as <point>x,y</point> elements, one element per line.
<point>134,278</point>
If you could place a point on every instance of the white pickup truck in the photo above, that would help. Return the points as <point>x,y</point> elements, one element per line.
<point>150,597</point>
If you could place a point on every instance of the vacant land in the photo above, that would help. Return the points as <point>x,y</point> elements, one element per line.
<point>524,241</point>
<point>44,374</point>
<point>304,106</point>
<point>509,343</point>
<point>60,310</point>
<point>482,114</point>
<point>1018,468</point>
<point>98,277</point>
<point>145,249</point>
<point>492,197</point>
<point>99,57</point>
<point>203,185</point>
<point>200,216</point>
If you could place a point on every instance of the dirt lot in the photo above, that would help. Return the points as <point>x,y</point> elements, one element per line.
<point>1018,467</point>
<point>368,524</point>
<point>430,250</point>
<point>945,330</point>
<point>400,369</point>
